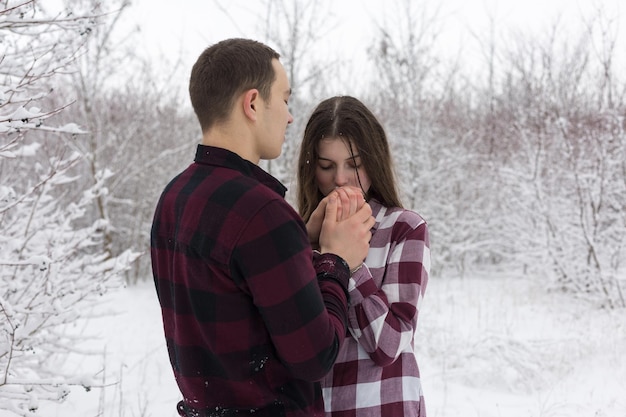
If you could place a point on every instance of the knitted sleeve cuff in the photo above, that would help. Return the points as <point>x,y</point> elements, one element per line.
<point>329,264</point>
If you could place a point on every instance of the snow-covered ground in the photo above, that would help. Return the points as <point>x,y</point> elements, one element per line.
<point>489,346</point>
<point>504,347</point>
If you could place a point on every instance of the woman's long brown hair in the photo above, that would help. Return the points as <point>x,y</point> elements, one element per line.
<point>347,118</point>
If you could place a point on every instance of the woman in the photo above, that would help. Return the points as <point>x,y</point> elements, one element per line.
<point>376,373</point>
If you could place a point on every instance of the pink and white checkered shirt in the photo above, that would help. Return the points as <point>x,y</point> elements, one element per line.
<point>376,372</point>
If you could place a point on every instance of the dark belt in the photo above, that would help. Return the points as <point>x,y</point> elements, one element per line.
<point>276,409</point>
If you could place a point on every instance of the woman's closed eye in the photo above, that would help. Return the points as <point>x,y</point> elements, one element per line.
<point>326,167</point>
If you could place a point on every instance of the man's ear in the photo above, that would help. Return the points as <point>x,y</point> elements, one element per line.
<point>251,102</point>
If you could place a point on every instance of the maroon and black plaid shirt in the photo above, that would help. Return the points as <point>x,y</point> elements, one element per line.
<point>251,321</point>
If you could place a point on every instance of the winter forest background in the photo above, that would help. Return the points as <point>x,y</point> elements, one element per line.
<point>517,159</point>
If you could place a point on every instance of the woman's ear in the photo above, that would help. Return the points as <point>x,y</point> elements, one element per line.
<point>250,103</point>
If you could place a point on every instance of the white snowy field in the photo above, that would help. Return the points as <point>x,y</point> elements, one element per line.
<point>488,346</point>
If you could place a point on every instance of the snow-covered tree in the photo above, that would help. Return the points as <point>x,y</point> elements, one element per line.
<point>520,165</point>
<point>562,167</point>
<point>51,261</point>
<point>419,96</point>
<point>140,132</point>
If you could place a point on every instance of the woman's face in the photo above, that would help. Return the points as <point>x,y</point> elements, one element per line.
<point>337,166</point>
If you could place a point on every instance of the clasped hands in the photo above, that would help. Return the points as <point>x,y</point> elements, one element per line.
<point>341,224</point>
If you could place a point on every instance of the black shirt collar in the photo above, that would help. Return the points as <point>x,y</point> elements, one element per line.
<point>210,155</point>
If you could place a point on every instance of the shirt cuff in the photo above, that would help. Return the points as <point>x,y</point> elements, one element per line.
<point>361,285</point>
<point>331,264</point>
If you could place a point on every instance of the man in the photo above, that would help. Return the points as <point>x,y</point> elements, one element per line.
<point>252,319</point>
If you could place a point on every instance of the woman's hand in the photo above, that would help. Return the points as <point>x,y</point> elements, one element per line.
<point>349,201</point>
<point>347,232</point>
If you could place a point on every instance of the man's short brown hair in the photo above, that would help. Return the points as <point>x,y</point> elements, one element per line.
<point>224,71</point>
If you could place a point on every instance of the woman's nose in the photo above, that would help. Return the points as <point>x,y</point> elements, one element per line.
<point>341,177</point>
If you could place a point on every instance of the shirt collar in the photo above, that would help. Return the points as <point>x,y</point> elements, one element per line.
<point>378,211</point>
<point>210,155</point>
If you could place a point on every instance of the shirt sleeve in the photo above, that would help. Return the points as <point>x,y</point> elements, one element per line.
<point>305,323</point>
<point>383,320</point>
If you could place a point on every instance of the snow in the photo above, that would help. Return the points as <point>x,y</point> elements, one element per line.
<point>488,346</point>
<point>129,359</point>
<point>499,346</point>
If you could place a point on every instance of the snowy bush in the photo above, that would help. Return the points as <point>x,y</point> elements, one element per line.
<point>521,165</point>
<point>563,183</point>
<point>51,260</point>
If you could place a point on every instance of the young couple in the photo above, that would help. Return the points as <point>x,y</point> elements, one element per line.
<point>270,312</point>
